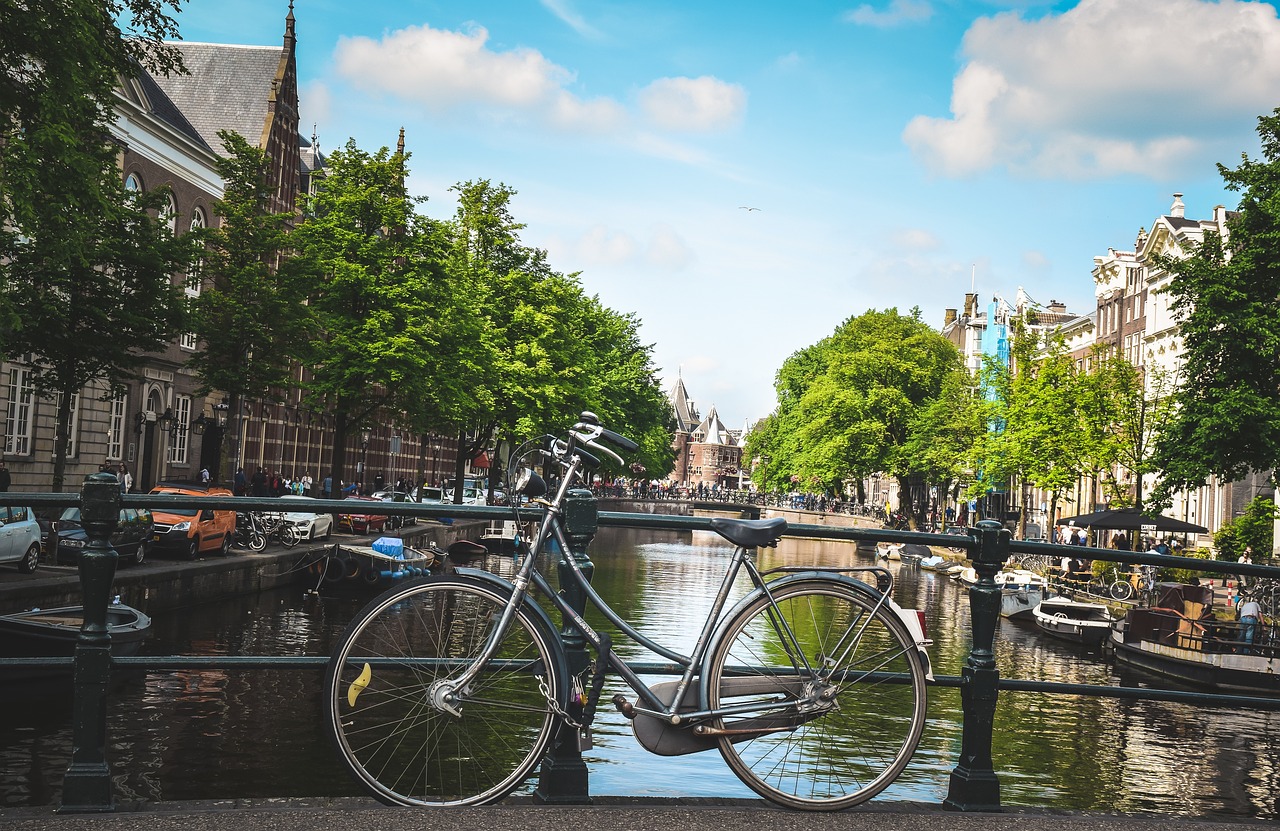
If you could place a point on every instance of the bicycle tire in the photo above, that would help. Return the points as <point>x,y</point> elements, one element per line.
<point>1121,590</point>
<point>401,748</point>
<point>290,536</point>
<point>854,749</point>
<point>257,541</point>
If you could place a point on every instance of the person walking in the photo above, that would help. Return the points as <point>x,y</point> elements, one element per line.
<point>6,479</point>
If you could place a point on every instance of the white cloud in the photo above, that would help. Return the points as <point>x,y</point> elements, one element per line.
<point>693,104</point>
<point>601,247</point>
<point>575,21</point>
<point>898,13</point>
<point>916,239</point>
<point>1108,87</point>
<point>450,71</point>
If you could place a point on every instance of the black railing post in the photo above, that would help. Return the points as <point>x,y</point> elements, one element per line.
<point>563,777</point>
<point>87,786</point>
<point>974,786</point>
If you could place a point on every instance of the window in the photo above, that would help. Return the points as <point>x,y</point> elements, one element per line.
<point>182,417</point>
<point>73,426</point>
<point>115,428</point>
<point>132,183</point>
<point>18,423</point>
<point>169,216</point>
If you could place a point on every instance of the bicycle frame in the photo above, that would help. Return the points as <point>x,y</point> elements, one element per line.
<point>670,713</point>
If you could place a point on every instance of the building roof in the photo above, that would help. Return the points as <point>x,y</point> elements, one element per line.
<point>162,107</point>
<point>712,430</point>
<point>228,87</point>
<point>686,414</point>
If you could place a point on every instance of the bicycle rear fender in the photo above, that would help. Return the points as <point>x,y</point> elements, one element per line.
<point>535,611</point>
<point>910,618</point>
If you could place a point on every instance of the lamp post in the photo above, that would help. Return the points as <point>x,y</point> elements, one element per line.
<point>168,423</point>
<point>364,457</point>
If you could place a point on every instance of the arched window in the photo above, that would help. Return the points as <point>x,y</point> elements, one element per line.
<point>132,183</point>
<point>169,215</point>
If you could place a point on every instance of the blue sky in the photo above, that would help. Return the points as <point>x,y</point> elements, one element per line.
<point>894,149</point>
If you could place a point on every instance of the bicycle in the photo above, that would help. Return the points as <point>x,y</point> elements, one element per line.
<point>274,527</point>
<point>448,690</point>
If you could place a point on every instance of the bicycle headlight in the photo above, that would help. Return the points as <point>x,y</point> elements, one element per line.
<point>529,483</point>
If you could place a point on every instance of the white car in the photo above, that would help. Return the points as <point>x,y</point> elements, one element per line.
<point>19,538</point>
<point>308,516</point>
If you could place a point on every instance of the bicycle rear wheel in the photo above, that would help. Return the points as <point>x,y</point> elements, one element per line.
<point>379,711</point>
<point>852,743</point>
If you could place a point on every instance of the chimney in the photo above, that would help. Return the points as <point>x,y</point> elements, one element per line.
<point>971,305</point>
<point>1178,210</point>
<point>948,318</point>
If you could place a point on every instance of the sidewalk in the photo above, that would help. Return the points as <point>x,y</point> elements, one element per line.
<point>607,814</point>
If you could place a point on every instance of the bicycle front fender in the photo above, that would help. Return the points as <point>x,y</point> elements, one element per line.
<point>561,669</point>
<point>910,618</point>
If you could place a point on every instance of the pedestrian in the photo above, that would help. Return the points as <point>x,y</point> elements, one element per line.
<point>306,484</point>
<point>1247,559</point>
<point>6,478</point>
<point>326,487</point>
<point>204,476</point>
<point>240,483</point>
<point>258,484</point>
<point>126,479</point>
<point>1250,614</point>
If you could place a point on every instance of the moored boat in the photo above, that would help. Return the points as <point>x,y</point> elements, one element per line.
<point>52,633</point>
<point>1179,638</point>
<point>503,535</point>
<point>1073,620</point>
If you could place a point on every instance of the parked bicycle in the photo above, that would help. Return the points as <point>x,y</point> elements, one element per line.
<point>249,531</point>
<point>448,690</point>
<point>275,528</point>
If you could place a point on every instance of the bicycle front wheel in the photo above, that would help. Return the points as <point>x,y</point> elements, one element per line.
<point>852,684</point>
<point>1121,590</point>
<point>397,739</point>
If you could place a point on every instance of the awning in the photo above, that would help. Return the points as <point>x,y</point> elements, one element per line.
<point>1129,519</point>
<point>481,462</point>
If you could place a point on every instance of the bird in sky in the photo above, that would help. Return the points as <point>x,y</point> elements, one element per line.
<point>746,208</point>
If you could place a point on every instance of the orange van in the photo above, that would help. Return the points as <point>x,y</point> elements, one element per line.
<point>190,532</point>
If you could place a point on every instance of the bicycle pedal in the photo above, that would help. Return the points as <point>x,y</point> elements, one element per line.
<point>584,739</point>
<point>624,706</point>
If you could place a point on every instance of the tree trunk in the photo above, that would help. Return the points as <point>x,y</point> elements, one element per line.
<point>61,438</point>
<point>339,462</point>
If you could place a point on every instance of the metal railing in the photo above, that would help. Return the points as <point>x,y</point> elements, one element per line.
<point>974,784</point>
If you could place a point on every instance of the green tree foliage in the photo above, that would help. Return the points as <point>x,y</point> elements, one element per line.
<point>555,350</point>
<point>1255,528</point>
<point>390,325</point>
<point>1125,413</point>
<point>86,266</point>
<point>253,312</point>
<point>1035,434</point>
<point>848,405</point>
<point>1226,298</point>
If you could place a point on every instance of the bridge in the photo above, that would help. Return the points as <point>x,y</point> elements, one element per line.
<point>974,783</point>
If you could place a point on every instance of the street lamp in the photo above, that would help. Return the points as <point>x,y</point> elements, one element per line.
<point>364,455</point>
<point>167,422</point>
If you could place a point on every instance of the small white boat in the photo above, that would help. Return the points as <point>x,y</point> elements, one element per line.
<point>503,535</point>
<point>891,551</point>
<point>934,563</point>
<point>1074,620</point>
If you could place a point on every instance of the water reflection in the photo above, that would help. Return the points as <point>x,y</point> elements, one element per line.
<point>201,734</point>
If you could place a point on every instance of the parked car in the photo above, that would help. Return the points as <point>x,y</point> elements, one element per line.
<point>359,523</point>
<point>470,496</point>
<point>131,540</point>
<point>394,522</point>
<point>431,496</point>
<point>190,532</point>
<point>19,538</point>
<point>309,516</point>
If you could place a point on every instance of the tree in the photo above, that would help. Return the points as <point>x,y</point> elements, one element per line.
<point>251,316</point>
<point>1126,411</point>
<point>1226,297</point>
<point>390,325</point>
<point>87,274</point>
<point>848,404</point>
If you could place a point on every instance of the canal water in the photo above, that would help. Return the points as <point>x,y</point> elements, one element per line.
<point>218,734</point>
